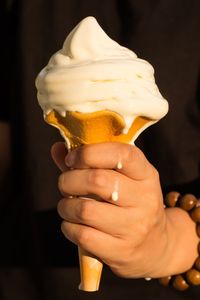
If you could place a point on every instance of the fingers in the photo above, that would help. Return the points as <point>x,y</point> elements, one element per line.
<point>108,185</point>
<point>127,159</point>
<point>58,153</point>
<point>99,215</point>
<point>94,241</point>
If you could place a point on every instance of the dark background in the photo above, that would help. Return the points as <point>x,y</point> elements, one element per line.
<point>36,260</point>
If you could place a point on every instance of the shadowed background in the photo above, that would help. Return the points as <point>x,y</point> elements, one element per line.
<point>35,258</point>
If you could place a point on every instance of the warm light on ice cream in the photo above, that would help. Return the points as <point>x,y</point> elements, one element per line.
<point>94,90</point>
<point>93,73</point>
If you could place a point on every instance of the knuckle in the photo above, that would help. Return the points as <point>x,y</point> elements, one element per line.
<point>96,177</point>
<point>131,153</point>
<point>84,211</point>
<point>85,155</point>
<point>154,173</point>
<point>83,236</point>
<point>126,152</point>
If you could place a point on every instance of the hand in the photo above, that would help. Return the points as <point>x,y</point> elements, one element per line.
<point>130,235</point>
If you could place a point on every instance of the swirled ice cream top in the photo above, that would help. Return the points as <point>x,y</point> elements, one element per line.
<point>92,72</point>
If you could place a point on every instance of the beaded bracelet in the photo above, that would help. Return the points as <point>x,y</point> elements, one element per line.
<point>189,203</point>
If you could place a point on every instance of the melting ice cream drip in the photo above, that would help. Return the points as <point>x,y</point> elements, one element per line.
<point>119,165</point>
<point>115,193</point>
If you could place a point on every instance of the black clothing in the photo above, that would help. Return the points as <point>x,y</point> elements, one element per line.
<point>166,33</point>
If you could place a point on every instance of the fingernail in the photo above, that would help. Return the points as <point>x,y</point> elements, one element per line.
<point>70,158</point>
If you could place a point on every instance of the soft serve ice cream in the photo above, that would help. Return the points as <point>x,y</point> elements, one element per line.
<point>94,90</point>
<point>94,73</point>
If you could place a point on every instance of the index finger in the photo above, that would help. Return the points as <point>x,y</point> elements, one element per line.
<point>58,153</point>
<point>126,159</point>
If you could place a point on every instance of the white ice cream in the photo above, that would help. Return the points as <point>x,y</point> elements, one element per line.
<point>92,72</point>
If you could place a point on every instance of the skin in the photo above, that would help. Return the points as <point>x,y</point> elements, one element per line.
<point>135,235</point>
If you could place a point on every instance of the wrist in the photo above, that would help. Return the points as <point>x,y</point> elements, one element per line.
<point>191,205</point>
<point>182,240</point>
<point>179,238</point>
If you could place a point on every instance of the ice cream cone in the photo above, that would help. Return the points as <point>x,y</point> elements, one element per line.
<point>101,126</point>
<point>78,129</point>
<point>93,73</point>
<point>90,271</point>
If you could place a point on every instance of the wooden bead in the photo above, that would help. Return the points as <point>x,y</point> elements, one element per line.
<point>195,214</point>
<point>197,264</point>
<point>191,204</point>
<point>198,230</point>
<point>165,280</point>
<point>193,277</point>
<point>179,283</point>
<point>187,202</point>
<point>171,199</point>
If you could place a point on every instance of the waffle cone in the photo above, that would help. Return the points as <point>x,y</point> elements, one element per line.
<point>90,271</point>
<point>88,128</point>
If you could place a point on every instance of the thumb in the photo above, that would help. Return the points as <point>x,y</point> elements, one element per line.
<point>58,153</point>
